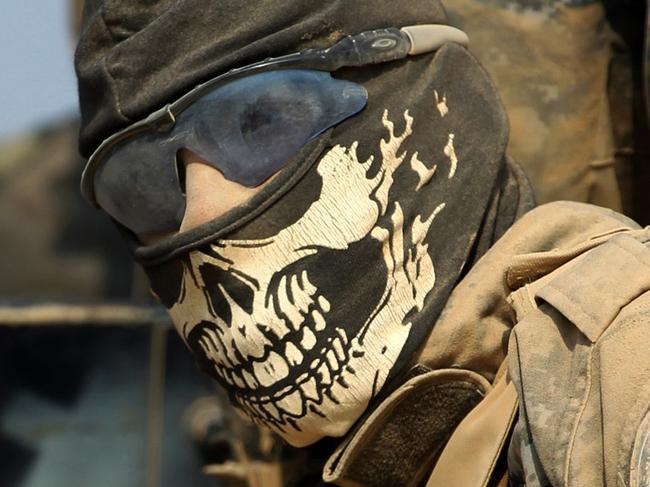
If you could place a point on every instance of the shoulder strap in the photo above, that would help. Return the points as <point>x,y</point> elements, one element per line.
<point>470,456</point>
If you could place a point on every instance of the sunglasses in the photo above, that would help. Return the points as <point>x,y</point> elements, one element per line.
<point>247,123</point>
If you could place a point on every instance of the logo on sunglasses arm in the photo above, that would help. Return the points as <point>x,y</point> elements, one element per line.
<point>253,311</point>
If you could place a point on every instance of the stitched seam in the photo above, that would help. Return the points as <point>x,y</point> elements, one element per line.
<point>170,11</point>
<point>504,436</point>
<point>583,407</point>
<point>578,304</point>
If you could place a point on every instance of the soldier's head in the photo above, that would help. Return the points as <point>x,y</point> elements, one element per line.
<point>304,218</point>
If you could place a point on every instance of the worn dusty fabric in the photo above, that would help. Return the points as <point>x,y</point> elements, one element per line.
<point>474,454</point>
<point>578,357</point>
<point>478,316</point>
<point>550,62</point>
<point>133,57</point>
<point>473,329</point>
<point>578,348</point>
<point>305,308</point>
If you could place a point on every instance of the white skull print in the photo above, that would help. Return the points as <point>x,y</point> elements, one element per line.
<point>271,333</point>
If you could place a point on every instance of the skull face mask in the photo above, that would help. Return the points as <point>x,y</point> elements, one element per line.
<point>308,301</point>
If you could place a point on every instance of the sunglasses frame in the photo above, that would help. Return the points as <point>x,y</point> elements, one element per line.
<point>366,48</point>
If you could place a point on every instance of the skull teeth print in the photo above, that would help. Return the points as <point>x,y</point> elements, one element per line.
<point>292,404</point>
<point>292,400</point>
<point>324,373</point>
<point>250,381</point>
<point>284,360</point>
<point>319,321</point>
<point>331,360</point>
<point>238,380</point>
<point>310,390</point>
<point>263,374</point>
<point>338,349</point>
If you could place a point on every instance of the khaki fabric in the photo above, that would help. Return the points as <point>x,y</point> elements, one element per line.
<point>470,458</point>
<point>578,358</point>
<point>474,327</point>
<point>550,61</point>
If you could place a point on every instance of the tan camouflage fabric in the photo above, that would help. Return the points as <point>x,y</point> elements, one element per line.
<point>550,62</point>
<point>473,329</point>
<point>578,358</point>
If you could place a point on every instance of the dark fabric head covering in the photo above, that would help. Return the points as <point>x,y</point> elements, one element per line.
<point>135,56</point>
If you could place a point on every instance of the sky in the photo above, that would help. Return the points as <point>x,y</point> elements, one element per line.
<point>37,82</point>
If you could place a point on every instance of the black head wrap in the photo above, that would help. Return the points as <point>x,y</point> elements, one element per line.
<point>135,56</point>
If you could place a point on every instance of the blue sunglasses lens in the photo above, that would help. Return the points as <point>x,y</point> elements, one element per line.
<point>247,129</point>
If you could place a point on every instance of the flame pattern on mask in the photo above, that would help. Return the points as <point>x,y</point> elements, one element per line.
<point>285,363</point>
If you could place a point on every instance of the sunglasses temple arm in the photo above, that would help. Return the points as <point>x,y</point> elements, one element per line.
<point>370,47</point>
<point>383,45</point>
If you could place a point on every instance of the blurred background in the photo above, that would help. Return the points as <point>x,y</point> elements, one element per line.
<point>38,77</point>
<point>93,389</point>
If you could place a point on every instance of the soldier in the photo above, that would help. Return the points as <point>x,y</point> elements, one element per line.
<point>320,196</point>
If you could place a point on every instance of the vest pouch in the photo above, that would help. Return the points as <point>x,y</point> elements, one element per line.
<point>578,358</point>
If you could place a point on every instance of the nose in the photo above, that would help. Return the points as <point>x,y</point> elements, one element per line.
<point>208,193</point>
